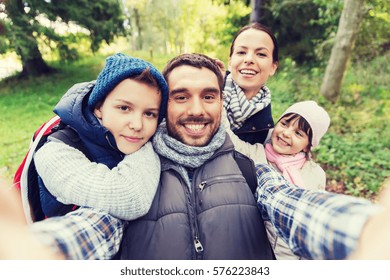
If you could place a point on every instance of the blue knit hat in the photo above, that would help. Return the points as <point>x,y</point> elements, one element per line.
<point>120,67</point>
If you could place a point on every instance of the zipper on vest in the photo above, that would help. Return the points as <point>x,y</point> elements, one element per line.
<point>198,245</point>
<point>221,179</point>
<point>202,185</point>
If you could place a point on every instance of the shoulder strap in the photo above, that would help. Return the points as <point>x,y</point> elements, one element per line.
<point>70,137</point>
<point>247,168</point>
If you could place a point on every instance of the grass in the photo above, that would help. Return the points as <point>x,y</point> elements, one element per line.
<point>355,151</point>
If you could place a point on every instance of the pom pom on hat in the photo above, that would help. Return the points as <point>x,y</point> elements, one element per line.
<point>120,67</point>
<point>315,115</point>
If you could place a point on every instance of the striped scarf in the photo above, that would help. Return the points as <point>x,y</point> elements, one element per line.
<point>238,107</point>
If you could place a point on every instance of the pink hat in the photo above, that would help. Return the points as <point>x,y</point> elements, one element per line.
<point>315,115</point>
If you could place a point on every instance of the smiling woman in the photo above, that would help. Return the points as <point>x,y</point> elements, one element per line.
<point>253,59</point>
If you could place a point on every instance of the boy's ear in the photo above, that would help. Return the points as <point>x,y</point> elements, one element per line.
<point>97,112</point>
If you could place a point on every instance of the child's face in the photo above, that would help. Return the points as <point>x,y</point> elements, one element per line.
<point>251,63</point>
<point>130,113</point>
<point>288,139</point>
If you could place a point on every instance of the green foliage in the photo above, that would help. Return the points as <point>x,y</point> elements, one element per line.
<point>374,38</point>
<point>34,21</point>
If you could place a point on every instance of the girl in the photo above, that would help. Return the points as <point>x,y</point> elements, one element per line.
<point>299,129</point>
<point>115,117</point>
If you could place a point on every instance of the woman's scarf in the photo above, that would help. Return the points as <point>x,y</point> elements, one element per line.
<point>288,165</point>
<point>238,107</point>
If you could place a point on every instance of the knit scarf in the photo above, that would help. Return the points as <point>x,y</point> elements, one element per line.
<point>238,107</point>
<point>288,165</point>
<point>182,154</point>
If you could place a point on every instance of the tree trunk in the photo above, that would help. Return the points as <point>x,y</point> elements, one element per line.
<point>349,24</point>
<point>25,43</point>
<point>256,11</point>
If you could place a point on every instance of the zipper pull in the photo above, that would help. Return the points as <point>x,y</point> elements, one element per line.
<point>198,245</point>
<point>202,185</point>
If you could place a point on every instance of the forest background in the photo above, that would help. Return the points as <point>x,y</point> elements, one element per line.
<point>46,46</point>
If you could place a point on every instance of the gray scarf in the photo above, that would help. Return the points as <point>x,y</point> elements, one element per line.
<point>182,154</point>
<point>238,107</point>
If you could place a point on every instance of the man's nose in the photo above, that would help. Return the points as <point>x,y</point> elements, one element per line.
<point>196,107</point>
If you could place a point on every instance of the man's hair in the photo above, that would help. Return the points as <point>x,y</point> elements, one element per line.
<point>260,27</point>
<point>195,60</point>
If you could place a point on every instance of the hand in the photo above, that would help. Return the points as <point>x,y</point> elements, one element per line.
<point>16,241</point>
<point>221,66</point>
<point>374,243</point>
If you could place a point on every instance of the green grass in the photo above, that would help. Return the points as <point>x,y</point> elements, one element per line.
<point>355,152</point>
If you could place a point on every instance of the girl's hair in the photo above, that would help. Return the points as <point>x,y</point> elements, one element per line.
<point>258,26</point>
<point>302,124</point>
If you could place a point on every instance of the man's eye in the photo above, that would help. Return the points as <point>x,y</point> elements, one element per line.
<point>209,97</point>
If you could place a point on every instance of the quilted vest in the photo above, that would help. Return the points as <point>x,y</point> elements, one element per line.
<point>216,218</point>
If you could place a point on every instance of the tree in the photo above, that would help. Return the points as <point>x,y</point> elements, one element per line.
<point>350,20</point>
<point>257,10</point>
<point>24,26</point>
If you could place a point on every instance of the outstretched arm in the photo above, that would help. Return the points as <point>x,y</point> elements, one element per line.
<point>315,224</point>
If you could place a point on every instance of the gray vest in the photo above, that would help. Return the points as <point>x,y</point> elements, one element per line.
<point>217,219</point>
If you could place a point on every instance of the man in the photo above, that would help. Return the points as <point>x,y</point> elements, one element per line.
<point>190,217</point>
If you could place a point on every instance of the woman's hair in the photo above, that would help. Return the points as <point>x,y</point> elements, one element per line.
<point>302,124</point>
<point>258,26</point>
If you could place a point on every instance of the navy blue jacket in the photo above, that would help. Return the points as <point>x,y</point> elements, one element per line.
<point>98,141</point>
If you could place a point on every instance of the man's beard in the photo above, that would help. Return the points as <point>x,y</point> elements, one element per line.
<point>175,131</point>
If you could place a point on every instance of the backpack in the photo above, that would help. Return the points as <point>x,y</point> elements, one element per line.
<point>26,176</point>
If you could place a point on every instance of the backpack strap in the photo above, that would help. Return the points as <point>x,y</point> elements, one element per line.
<point>247,168</point>
<point>69,136</point>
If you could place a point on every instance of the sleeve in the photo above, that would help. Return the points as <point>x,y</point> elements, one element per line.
<point>315,224</point>
<point>255,152</point>
<point>84,234</point>
<point>126,191</point>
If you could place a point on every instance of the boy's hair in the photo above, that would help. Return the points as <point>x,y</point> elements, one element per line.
<point>147,78</point>
<point>195,60</point>
<point>120,67</point>
<point>302,124</point>
<point>260,27</point>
